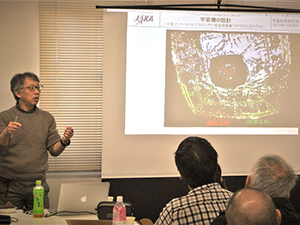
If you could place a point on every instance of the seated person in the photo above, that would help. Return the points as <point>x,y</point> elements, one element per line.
<point>274,176</point>
<point>197,162</point>
<point>252,207</point>
<point>219,178</point>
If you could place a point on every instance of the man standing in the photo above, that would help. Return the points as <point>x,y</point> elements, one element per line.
<point>27,134</point>
<point>197,162</point>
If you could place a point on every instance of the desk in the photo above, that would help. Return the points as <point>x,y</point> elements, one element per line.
<point>80,219</point>
<point>25,219</point>
<point>89,222</point>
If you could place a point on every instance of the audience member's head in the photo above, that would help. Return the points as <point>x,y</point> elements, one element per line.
<point>218,177</point>
<point>196,161</point>
<point>273,175</point>
<point>251,207</point>
<point>218,174</point>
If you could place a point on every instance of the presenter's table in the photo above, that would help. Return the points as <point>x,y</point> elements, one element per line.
<point>81,219</point>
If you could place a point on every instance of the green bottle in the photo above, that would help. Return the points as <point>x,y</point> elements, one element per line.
<point>38,200</point>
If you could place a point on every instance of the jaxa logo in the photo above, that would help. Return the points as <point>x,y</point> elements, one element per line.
<point>140,19</point>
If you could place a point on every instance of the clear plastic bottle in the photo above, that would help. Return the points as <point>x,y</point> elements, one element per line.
<point>38,200</point>
<point>119,212</point>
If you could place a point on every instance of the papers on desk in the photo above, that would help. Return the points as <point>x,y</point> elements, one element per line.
<point>7,211</point>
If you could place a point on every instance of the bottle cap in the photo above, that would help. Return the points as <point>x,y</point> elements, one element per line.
<point>38,182</point>
<point>119,198</point>
<point>110,198</point>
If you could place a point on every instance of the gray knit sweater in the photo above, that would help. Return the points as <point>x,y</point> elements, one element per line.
<point>26,156</point>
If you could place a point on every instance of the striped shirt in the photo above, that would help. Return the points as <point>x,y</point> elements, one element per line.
<point>200,206</point>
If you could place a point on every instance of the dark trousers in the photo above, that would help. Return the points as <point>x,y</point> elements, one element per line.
<point>20,193</point>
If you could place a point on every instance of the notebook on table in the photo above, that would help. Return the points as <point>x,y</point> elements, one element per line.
<point>81,197</point>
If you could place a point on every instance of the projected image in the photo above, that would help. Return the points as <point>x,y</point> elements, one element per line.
<point>240,76</point>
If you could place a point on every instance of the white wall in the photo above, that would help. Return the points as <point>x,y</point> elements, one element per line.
<point>292,4</point>
<point>19,44</point>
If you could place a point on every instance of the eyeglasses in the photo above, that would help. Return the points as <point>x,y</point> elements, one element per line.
<point>32,88</point>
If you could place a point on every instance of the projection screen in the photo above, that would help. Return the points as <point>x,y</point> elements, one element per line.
<point>230,77</point>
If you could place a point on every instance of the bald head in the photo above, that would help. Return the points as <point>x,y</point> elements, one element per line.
<point>251,206</point>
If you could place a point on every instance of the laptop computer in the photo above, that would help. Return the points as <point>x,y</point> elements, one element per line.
<point>81,197</point>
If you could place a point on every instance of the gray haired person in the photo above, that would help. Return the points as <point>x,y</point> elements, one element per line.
<point>28,135</point>
<point>273,175</point>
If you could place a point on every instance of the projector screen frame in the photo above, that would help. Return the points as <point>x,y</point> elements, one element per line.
<point>202,7</point>
<point>136,159</point>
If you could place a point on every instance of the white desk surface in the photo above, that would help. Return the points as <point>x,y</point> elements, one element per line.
<point>80,219</point>
<point>25,219</point>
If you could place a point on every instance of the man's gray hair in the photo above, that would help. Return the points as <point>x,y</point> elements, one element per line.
<point>17,82</point>
<point>273,175</point>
